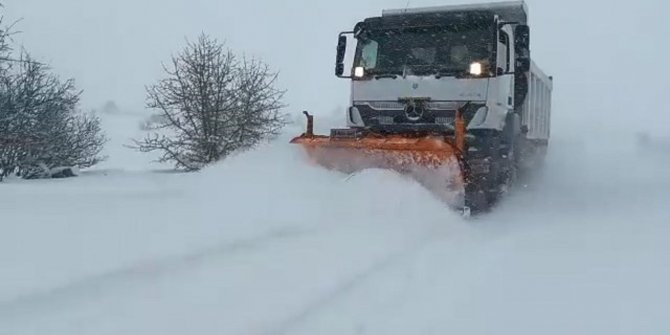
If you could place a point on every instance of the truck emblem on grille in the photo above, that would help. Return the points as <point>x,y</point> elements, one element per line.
<point>415,86</point>
<point>414,110</point>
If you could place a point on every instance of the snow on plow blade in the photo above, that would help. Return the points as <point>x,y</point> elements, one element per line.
<point>433,161</point>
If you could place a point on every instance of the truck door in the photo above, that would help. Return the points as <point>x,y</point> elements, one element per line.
<point>505,68</point>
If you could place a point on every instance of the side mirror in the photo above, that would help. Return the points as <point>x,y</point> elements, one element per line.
<point>522,37</point>
<point>522,47</point>
<point>341,52</point>
<point>523,64</point>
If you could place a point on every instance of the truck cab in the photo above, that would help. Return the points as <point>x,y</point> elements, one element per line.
<point>412,69</point>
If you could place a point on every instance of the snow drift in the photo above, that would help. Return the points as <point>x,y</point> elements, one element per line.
<point>264,243</point>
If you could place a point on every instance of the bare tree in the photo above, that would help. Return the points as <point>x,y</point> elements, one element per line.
<point>41,129</point>
<point>210,105</point>
<point>4,44</point>
<point>42,133</point>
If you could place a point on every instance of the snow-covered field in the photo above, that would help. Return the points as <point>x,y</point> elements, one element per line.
<point>266,244</point>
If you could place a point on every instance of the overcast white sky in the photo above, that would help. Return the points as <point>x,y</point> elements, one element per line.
<point>608,57</point>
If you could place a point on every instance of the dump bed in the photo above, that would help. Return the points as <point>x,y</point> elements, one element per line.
<point>537,107</point>
<point>516,11</point>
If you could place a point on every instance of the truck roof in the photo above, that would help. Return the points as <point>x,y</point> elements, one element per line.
<point>509,10</point>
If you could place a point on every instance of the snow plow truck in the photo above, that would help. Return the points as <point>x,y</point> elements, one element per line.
<point>449,96</point>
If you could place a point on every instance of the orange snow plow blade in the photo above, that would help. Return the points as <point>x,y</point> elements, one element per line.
<point>433,161</point>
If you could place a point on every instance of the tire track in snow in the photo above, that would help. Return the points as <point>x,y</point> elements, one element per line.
<point>98,285</point>
<point>347,286</point>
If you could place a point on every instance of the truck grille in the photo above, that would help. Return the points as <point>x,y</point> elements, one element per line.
<point>446,120</point>
<point>385,119</point>
<point>390,114</point>
<point>394,105</point>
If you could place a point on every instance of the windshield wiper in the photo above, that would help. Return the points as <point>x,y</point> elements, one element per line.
<point>383,73</point>
<point>388,75</point>
<point>444,72</point>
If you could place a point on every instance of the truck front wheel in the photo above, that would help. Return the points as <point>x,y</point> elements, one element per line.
<point>493,160</point>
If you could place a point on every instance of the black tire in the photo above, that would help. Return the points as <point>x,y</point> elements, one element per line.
<point>480,191</point>
<point>509,156</point>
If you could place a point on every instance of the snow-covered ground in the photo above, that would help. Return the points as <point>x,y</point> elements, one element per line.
<point>263,243</point>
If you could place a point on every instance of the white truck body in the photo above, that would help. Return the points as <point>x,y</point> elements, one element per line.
<point>371,98</point>
<point>460,74</point>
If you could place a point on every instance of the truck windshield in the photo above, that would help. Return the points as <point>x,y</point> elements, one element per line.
<point>448,51</point>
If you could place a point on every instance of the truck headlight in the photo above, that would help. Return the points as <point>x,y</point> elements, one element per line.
<point>476,69</point>
<point>359,72</point>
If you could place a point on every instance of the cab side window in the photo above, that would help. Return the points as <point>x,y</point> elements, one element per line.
<point>504,56</point>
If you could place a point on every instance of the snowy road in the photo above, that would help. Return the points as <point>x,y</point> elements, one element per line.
<point>258,285</point>
<point>253,248</point>
<point>264,244</point>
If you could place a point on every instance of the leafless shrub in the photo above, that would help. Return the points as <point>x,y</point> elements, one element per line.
<point>41,128</point>
<point>210,105</point>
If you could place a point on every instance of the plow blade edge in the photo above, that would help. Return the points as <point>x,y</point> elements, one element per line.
<point>433,161</point>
